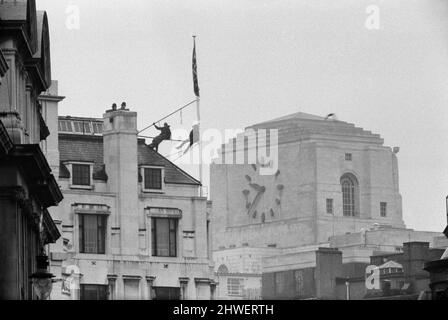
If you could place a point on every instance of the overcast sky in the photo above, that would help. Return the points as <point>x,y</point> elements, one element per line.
<point>263,59</point>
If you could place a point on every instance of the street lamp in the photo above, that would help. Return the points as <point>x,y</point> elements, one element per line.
<point>42,279</point>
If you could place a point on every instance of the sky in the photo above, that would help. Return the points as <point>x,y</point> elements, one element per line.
<point>258,60</point>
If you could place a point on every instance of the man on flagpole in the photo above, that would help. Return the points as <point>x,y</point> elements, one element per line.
<point>198,103</point>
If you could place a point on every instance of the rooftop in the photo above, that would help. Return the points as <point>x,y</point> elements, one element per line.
<point>80,139</point>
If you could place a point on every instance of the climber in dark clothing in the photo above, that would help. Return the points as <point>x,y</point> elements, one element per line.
<point>165,134</point>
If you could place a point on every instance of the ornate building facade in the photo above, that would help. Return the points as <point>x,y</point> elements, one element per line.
<point>27,185</point>
<point>133,226</point>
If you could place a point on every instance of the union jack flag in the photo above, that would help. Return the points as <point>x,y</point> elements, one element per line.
<point>195,72</point>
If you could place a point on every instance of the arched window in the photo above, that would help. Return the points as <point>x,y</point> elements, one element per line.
<point>223,269</point>
<point>349,186</point>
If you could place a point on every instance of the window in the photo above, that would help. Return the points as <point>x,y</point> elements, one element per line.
<point>164,237</point>
<point>349,186</point>
<point>87,127</point>
<point>82,126</point>
<point>65,126</point>
<point>348,157</point>
<point>153,179</point>
<point>329,206</point>
<point>78,126</point>
<point>81,174</point>
<point>167,293</point>
<point>93,292</point>
<point>235,286</point>
<point>97,127</point>
<point>383,209</point>
<point>92,233</point>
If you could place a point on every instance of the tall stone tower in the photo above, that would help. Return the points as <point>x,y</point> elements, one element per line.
<point>332,178</point>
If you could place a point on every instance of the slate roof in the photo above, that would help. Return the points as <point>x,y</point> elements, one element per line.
<point>173,174</point>
<point>82,148</point>
<point>89,148</point>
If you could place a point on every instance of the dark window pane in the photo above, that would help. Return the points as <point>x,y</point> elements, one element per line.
<point>166,293</point>
<point>164,237</point>
<point>383,209</point>
<point>153,178</point>
<point>93,292</point>
<point>330,206</point>
<point>92,229</point>
<point>81,174</point>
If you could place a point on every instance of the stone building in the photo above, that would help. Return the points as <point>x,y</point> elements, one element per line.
<point>27,185</point>
<point>333,180</point>
<point>132,223</point>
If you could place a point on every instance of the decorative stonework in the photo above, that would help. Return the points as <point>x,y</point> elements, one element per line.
<point>163,212</point>
<point>86,208</point>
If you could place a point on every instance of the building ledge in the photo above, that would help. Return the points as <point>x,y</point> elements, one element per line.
<point>38,172</point>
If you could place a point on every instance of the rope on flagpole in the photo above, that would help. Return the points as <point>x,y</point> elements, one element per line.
<point>180,109</point>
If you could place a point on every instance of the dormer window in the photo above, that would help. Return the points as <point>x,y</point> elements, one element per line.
<point>81,175</point>
<point>153,179</point>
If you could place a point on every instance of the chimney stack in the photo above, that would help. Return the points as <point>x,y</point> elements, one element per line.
<point>121,160</point>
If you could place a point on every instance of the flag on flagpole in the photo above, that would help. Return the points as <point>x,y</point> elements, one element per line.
<point>192,140</point>
<point>195,71</point>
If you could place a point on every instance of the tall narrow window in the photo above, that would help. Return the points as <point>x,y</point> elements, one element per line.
<point>92,231</point>
<point>348,157</point>
<point>329,206</point>
<point>81,174</point>
<point>349,187</point>
<point>153,178</point>
<point>164,237</point>
<point>383,209</point>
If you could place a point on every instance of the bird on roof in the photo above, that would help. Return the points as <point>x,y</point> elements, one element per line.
<point>331,116</point>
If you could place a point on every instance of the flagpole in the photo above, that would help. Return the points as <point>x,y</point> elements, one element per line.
<point>198,110</point>
<point>198,105</point>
